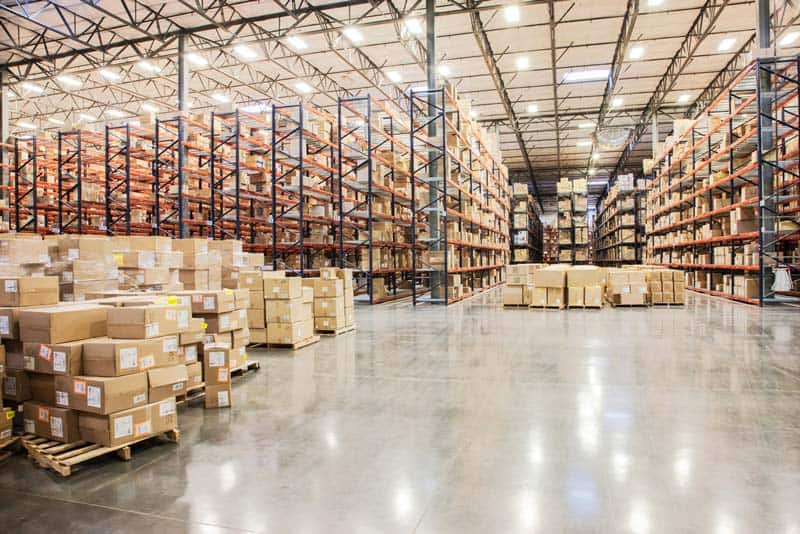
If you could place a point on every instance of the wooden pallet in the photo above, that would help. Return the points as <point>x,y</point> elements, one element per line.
<point>611,303</point>
<point>192,394</point>
<point>586,307</point>
<point>295,346</point>
<point>340,331</point>
<point>547,307</point>
<point>65,458</point>
<point>249,365</point>
<point>667,304</point>
<point>516,306</point>
<point>8,447</point>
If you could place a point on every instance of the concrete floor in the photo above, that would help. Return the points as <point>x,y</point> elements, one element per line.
<point>474,419</point>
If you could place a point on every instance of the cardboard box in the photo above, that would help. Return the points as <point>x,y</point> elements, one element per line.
<point>555,296</point>
<point>194,375</point>
<point>119,357</point>
<point>240,338</point>
<point>593,296</point>
<point>190,246</point>
<point>258,335</point>
<point>42,388</point>
<point>218,396</point>
<point>189,353</point>
<point>6,422</point>
<point>129,425</point>
<point>226,322</point>
<point>101,395</point>
<point>195,332</point>
<point>16,386</point>
<point>34,291</point>
<point>289,333</point>
<point>63,323</point>
<point>57,424</point>
<point>550,277</point>
<point>288,311</point>
<point>196,279</point>
<point>329,307</point>
<point>325,288</point>
<point>166,382</point>
<point>141,322</point>
<point>56,359</point>
<point>256,318</point>
<point>218,361</point>
<point>330,323</point>
<point>575,296</point>
<point>282,288</point>
<point>584,275</point>
<point>213,302</point>
<point>538,296</point>
<point>515,295</point>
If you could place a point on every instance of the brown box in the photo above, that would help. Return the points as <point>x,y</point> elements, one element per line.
<point>194,375</point>
<point>57,424</point>
<point>550,278</point>
<point>16,386</point>
<point>119,357</point>
<point>60,324</point>
<point>218,396</point>
<point>258,335</point>
<point>57,359</point>
<point>6,422</point>
<point>42,388</point>
<point>218,361</point>
<point>240,337</point>
<point>195,332</point>
<point>256,318</point>
<point>212,302</point>
<point>515,295</point>
<point>330,323</point>
<point>129,425</point>
<point>191,246</point>
<point>166,382</point>
<point>288,311</point>
<point>555,296</point>
<point>538,296</point>
<point>101,395</point>
<point>226,322</point>
<point>283,288</point>
<point>583,275</point>
<point>141,322</point>
<point>196,279</point>
<point>289,333</point>
<point>329,307</point>
<point>593,296</point>
<point>575,296</point>
<point>33,291</point>
<point>188,353</point>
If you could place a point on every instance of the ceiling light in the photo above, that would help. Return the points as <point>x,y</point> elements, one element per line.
<point>584,142</point>
<point>55,121</point>
<point>303,87</point>
<point>86,117</point>
<point>617,102</point>
<point>444,70</point>
<point>637,52</point>
<point>26,125</point>
<point>135,123</point>
<point>653,3</point>
<point>244,52</point>
<point>219,97</point>
<point>32,87</point>
<point>115,113</point>
<point>595,156</point>
<point>523,63</point>
<point>683,99</point>
<point>413,26</point>
<point>789,39</point>
<point>533,108</point>
<point>112,75</point>
<point>394,76</point>
<point>256,107</point>
<point>586,75</point>
<point>511,13</point>
<point>352,34</point>
<point>196,59</point>
<point>147,106</point>
<point>592,172</point>
<point>601,181</point>
<point>726,44</point>
<point>473,113</point>
<point>296,42</point>
<point>585,125</point>
<point>69,80</point>
<point>149,66</point>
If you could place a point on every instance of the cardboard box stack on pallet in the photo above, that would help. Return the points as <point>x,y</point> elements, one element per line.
<point>200,267</point>
<point>519,279</point>
<point>665,286</point>
<point>147,263</point>
<point>290,311</point>
<point>585,286</point>
<point>626,287</point>
<point>549,285</point>
<point>333,299</point>
<point>84,265</point>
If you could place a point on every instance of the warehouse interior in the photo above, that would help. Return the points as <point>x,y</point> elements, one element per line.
<point>380,266</point>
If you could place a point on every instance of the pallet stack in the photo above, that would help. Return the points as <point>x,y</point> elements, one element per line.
<point>550,244</point>
<point>83,264</point>
<point>290,312</point>
<point>333,300</point>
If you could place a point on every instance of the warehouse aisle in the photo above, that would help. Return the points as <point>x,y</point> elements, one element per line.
<point>474,419</point>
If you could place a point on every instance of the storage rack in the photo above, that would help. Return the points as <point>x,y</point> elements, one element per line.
<point>28,174</point>
<point>550,244</point>
<point>527,234</point>
<point>618,232</point>
<point>573,227</point>
<point>727,179</point>
<point>117,190</point>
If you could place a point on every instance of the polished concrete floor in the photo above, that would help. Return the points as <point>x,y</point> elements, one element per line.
<point>473,419</point>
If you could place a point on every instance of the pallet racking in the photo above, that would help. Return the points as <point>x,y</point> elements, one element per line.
<point>526,227</point>
<point>618,230</point>
<point>723,202</point>
<point>573,227</point>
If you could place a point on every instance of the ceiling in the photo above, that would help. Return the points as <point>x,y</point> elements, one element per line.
<point>663,56</point>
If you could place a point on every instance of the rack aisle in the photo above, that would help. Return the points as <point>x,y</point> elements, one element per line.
<point>618,233</point>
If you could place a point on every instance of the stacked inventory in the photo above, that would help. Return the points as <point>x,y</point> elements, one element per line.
<point>289,309</point>
<point>333,300</point>
<point>526,231</point>
<point>550,244</point>
<point>573,226</point>
<point>723,207</point>
<point>619,224</point>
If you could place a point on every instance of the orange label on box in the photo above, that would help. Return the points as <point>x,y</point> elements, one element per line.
<point>46,352</point>
<point>43,414</point>
<point>79,387</point>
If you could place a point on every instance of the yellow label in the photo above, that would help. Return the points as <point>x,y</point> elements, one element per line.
<point>118,259</point>
<point>205,325</point>
<point>228,291</point>
<point>172,299</point>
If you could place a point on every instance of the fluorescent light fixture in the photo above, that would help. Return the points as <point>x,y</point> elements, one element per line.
<point>303,87</point>
<point>413,26</point>
<point>115,113</point>
<point>511,13</point>
<point>584,142</point>
<point>244,52</point>
<point>592,172</point>
<point>219,97</point>
<point>617,102</point>
<point>586,125</point>
<point>111,75</point>
<point>473,113</point>
<point>55,121</point>
<point>726,44</point>
<point>296,42</point>
<point>32,87</point>
<point>586,75</point>
<point>532,108</point>
<point>683,99</point>
<point>444,70</point>
<point>789,39</point>
<point>394,76</point>
<point>523,63</point>
<point>196,59</point>
<point>69,80</point>
<point>147,106</point>
<point>86,117</point>
<point>653,3</point>
<point>595,156</point>
<point>149,66</point>
<point>352,34</point>
<point>601,181</point>
<point>26,125</point>
<point>636,52</point>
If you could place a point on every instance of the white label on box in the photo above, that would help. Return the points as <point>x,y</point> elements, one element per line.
<point>144,428</point>
<point>222,375</point>
<point>10,386</point>
<point>73,254</point>
<point>140,398</point>
<point>151,330</point>
<point>30,426</point>
<point>190,353</point>
<point>57,427</point>
<point>209,303</point>
<point>170,344</point>
<point>140,279</point>
<point>166,408</point>
<point>625,289</point>
<point>222,398</point>
<point>62,398</point>
<point>171,315</point>
<point>11,286</point>
<point>123,426</point>
<point>147,362</point>
<point>129,358</point>
<point>183,319</point>
<point>216,358</point>
<point>177,387</point>
<point>60,361</point>
<point>30,363</point>
<point>224,321</point>
<point>93,397</point>
<point>66,277</point>
<point>4,329</point>
<point>5,434</point>
<point>276,289</point>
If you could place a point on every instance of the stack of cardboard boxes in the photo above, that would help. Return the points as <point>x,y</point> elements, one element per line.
<point>549,286</point>
<point>519,283</point>
<point>626,287</point>
<point>200,268</point>
<point>83,264</point>
<point>147,263</point>
<point>333,299</point>
<point>665,286</point>
<point>289,307</point>
<point>585,286</point>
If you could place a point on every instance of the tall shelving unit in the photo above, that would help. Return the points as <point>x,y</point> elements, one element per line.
<point>618,231</point>
<point>723,201</point>
<point>527,233</point>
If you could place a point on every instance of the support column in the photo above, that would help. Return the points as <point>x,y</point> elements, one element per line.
<point>433,169</point>
<point>183,106</point>
<point>767,205</point>
<point>654,136</point>
<point>5,133</point>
